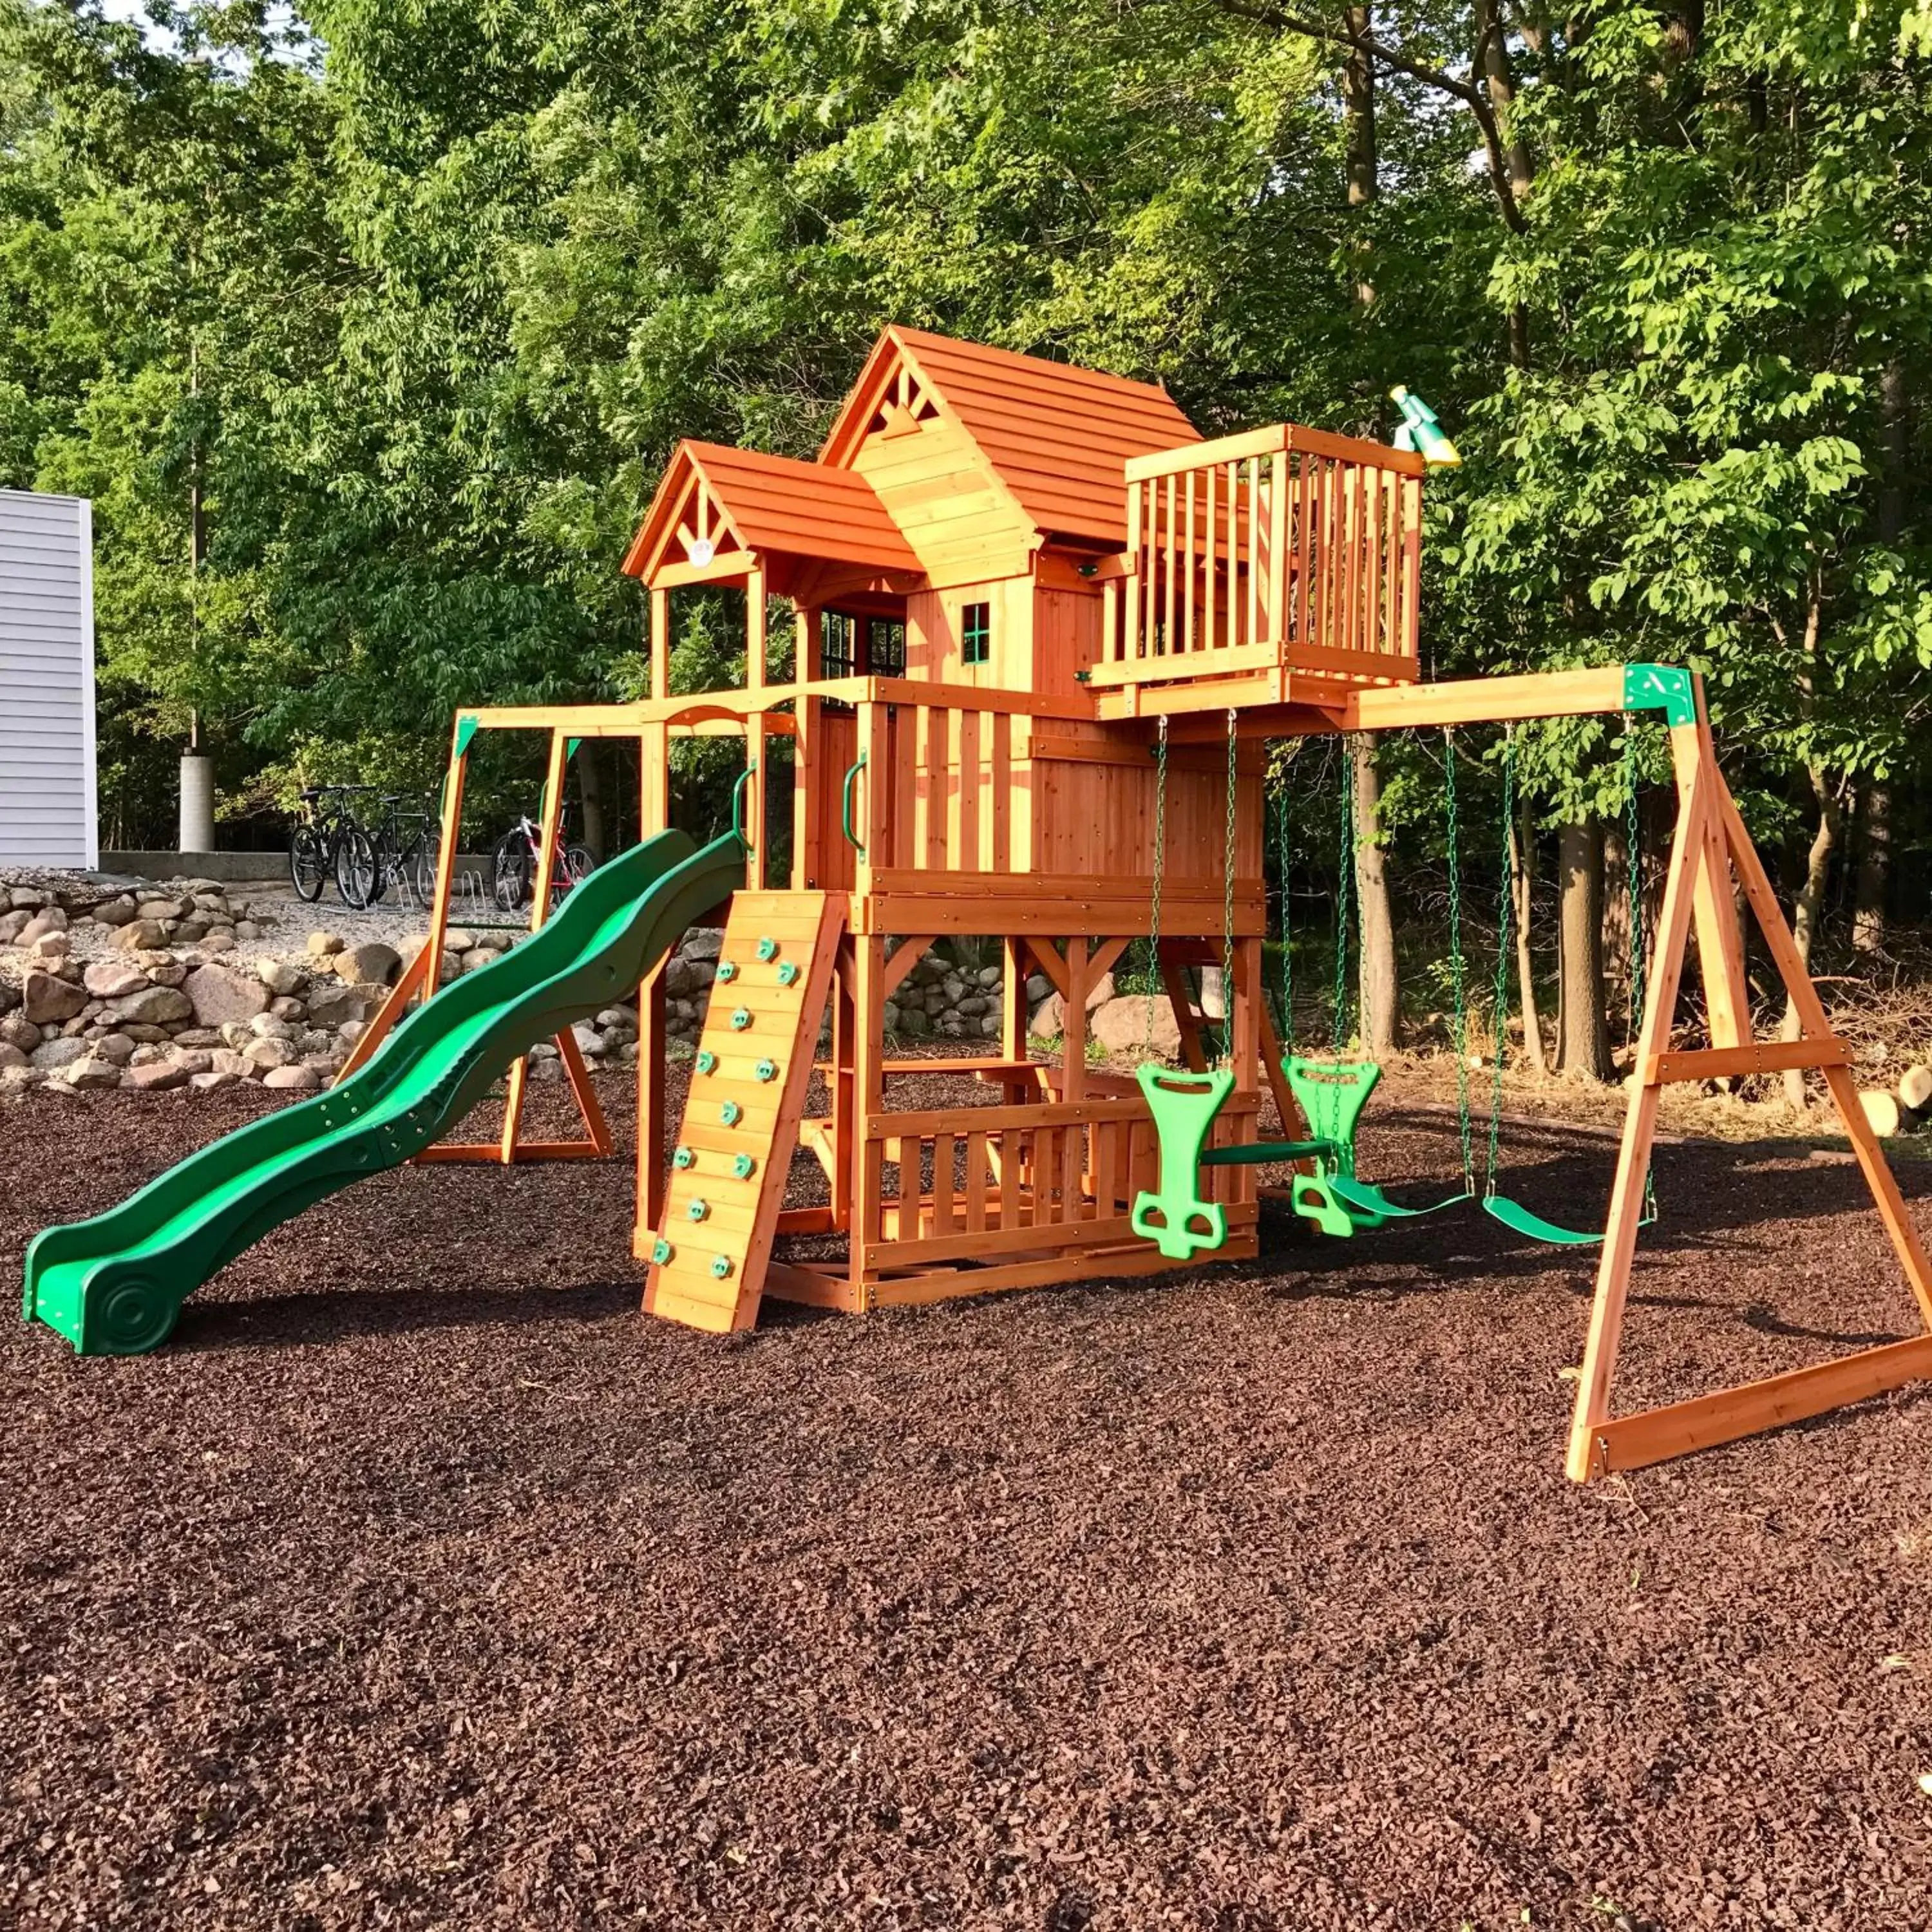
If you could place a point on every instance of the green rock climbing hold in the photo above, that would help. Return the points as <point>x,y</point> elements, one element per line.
<point>707,1061</point>
<point>768,949</point>
<point>766,1069</point>
<point>682,1158</point>
<point>744,1166</point>
<point>728,971</point>
<point>730,1113</point>
<point>720,1267</point>
<point>741,1018</point>
<point>661,1251</point>
<point>787,973</point>
<point>700,1210</point>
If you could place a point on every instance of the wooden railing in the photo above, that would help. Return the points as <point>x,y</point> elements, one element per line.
<point>983,1184</point>
<point>1283,548</point>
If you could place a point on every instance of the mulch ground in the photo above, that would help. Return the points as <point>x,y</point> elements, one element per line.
<point>421,1582</point>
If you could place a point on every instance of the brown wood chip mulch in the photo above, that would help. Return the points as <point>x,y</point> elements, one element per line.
<point>421,1583</point>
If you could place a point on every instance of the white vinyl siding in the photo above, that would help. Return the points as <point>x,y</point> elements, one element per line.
<point>47,810</point>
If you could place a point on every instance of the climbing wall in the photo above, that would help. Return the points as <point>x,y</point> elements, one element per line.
<point>748,1089</point>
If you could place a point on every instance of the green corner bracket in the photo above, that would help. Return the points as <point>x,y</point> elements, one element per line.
<point>465,730</point>
<point>1665,687</point>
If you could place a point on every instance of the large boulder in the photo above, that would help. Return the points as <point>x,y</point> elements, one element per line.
<point>218,993</point>
<point>371,964</point>
<point>16,1030</point>
<point>53,1053</point>
<point>10,996</point>
<point>1049,1018</point>
<point>322,945</point>
<point>334,1005</point>
<point>1122,1025</point>
<point>12,924</point>
<point>703,942</point>
<point>113,979</point>
<point>47,1000</point>
<point>155,1076</point>
<point>279,977</point>
<point>155,1006</point>
<point>90,1073</point>
<point>141,935</point>
<point>297,1079</point>
<point>116,912</point>
<point>48,920</point>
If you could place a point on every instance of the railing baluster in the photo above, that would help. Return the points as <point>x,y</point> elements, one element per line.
<point>1254,550</point>
<point>1187,638</point>
<point>1213,473</point>
<point>1129,621</point>
<point>1167,643</point>
<point>1278,545</point>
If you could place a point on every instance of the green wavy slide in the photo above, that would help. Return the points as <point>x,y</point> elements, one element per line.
<point>114,1285</point>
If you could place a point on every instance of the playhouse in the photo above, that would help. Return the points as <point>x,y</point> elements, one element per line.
<point>1041,632</point>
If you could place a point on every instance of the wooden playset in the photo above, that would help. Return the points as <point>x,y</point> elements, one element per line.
<point>1041,632</point>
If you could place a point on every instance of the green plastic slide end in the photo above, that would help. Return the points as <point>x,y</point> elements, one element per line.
<point>1174,1216</point>
<point>1664,687</point>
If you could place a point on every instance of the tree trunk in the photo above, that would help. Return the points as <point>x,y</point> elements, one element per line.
<point>1380,984</point>
<point>1870,892</point>
<point>1584,1051</point>
<point>1522,880</point>
<point>1358,98</point>
<point>590,784</point>
<point>1617,927</point>
<point>1804,912</point>
<point>1895,405</point>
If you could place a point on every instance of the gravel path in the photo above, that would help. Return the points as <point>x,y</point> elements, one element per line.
<point>422,1583</point>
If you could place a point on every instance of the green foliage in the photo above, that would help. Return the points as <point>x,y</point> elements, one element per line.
<point>420,307</point>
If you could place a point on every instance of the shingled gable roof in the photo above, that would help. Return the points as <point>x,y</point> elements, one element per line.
<point>1054,436</point>
<point>773,504</point>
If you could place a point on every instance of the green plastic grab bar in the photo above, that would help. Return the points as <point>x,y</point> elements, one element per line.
<point>738,803</point>
<point>852,771</point>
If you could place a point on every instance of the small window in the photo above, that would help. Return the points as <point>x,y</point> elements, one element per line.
<point>885,647</point>
<point>976,634</point>
<point>838,645</point>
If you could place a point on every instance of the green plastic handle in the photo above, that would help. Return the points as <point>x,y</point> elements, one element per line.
<point>852,771</point>
<point>738,803</point>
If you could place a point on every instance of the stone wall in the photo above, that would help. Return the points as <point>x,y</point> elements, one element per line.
<point>123,982</point>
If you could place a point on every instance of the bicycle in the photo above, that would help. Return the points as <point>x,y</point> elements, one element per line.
<point>514,865</point>
<point>399,850</point>
<point>316,845</point>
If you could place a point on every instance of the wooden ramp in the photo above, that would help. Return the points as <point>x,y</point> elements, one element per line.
<point>747,1089</point>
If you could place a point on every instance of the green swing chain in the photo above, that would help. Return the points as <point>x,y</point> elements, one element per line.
<point>1227,908</point>
<point>1344,904</point>
<point>1505,936</point>
<point>1459,1024</point>
<point>1638,939</point>
<point>1281,823</point>
<point>1160,867</point>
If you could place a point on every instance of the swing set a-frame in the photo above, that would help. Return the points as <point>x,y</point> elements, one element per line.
<point>1042,630</point>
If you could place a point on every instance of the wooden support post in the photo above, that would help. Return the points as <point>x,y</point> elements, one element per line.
<point>1721,956</point>
<point>1073,1023</point>
<point>551,816</point>
<point>869,1097</point>
<point>1613,1266</point>
<point>759,788</point>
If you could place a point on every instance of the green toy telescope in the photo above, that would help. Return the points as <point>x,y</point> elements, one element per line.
<point>1420,430</point>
